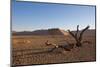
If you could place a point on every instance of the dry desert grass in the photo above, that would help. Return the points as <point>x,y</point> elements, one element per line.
<point>28,50</point>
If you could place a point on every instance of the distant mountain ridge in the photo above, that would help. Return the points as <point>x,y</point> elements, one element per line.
<point>53,31</point>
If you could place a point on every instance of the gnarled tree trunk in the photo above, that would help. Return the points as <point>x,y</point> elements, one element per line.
<point>78,36</point>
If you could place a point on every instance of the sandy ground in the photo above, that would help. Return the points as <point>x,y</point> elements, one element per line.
<point>28,50</point>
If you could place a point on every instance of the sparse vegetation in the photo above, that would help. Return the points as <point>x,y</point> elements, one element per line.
<point>32,49</point>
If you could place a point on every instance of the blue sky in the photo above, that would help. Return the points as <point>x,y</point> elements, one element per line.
<point>29,16</point>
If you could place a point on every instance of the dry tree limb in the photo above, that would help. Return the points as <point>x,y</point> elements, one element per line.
<point>71,34</point>
<point>81,34</point>
<point>75,36</point>
<point>66,47</point>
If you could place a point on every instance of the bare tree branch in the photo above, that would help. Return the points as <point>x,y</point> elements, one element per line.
<point>75,36</point>
<point>81,34</point>
<point>77,31</point>
<point>71,33</point>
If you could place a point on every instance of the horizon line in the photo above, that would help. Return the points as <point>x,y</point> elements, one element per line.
<point>46,29</point>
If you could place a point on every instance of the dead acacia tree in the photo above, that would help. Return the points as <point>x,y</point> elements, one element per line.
<point>78,36</point>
